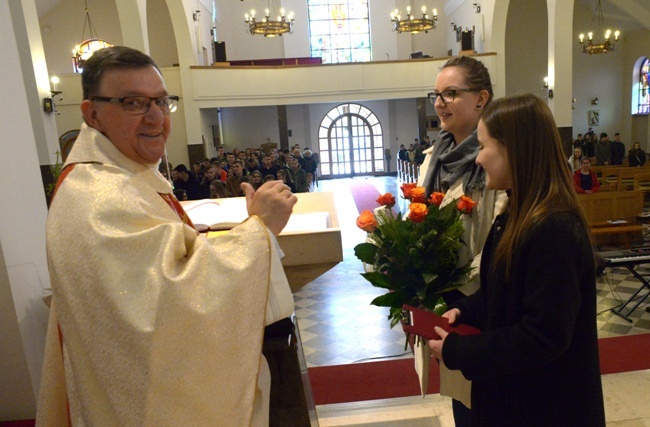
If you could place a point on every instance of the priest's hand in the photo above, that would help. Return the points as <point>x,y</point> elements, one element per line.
<point>436,345</point>
<point>272,203</point>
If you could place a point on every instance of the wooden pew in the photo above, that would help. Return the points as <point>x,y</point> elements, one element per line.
<point>625,178</point>
<point>607,174</point>
<point>642,181</point>
<point>601,207</point>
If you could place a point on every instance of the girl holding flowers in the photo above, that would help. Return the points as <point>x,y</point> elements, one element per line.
<point>536,361</point>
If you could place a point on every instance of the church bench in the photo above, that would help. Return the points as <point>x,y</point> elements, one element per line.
<point>601,207</point>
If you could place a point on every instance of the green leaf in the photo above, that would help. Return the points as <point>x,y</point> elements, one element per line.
<point>441,307</point>
<point>366,252</point>
<point>377,279</point>
<point>429,277</point>
<point>391,299</point>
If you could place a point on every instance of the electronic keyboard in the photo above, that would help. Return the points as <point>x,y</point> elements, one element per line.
<point>626,256</point>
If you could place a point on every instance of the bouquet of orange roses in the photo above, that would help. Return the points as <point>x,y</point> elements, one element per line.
<point>415,258</point>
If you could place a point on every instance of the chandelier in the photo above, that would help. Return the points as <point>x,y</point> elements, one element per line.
<point>412,24</point>
<point>595,48</point>
<point>87,47</point>
<point>268,27</point>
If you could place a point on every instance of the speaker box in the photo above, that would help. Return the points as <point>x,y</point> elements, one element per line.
<point>219,51</point>
<point>466,40</point>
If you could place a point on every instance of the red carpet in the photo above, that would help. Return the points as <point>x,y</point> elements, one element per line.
<point>397,378</point>
<point>365,195</point>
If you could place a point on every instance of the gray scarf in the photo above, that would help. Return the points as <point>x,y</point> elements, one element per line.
<point>447,165</point>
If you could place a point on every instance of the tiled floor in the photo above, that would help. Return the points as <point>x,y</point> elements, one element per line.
<point>339,326</point>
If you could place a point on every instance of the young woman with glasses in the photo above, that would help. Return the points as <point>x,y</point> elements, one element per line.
<point>462,90</point>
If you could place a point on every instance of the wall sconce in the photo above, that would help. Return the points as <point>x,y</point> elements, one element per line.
<point>594,101</point>
<point>48,103</point>
<point>477,7</point>
<point>549,91</point>
<point>573,103</point>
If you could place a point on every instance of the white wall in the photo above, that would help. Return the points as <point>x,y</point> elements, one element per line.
<point>527,25</point>
<point>599,76</point>
<point>249,126</point>
<point>62,26</point>
<point>241,45</point>
<point>23,266</point>
<point>162,43</point>
<point>300,127</point>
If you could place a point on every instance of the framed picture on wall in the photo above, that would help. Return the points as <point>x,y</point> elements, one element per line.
<point>594,117</point>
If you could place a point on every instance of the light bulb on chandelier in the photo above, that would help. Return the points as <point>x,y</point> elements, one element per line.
<point>594,48</point>
<point>268,27</point>
<point>411,24</point>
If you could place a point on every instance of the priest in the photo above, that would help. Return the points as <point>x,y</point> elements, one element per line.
<point>150,322</point>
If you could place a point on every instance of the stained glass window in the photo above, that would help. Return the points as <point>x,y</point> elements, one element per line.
<point>644,96</point>
<point>339,30</point>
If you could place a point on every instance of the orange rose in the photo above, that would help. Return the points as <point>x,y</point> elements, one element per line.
<point>406,190</point>
<point>367,221</point>
<point>417,195</point>
<point>386,200</point>
<point>418,212</point>
<point>465,205</point>
<point>436,198</point>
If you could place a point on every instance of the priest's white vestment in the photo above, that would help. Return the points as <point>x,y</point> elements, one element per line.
<point>152,324</point>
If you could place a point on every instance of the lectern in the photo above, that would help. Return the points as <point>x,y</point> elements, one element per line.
<point>308,253</point>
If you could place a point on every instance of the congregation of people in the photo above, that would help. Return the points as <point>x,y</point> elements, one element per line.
<point>415,153</point>
<point>592,149</point>
<point>222,176</point>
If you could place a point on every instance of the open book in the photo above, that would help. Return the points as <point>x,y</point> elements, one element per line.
<point>210,215</point>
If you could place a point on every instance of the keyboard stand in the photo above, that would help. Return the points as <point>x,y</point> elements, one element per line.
<point>644,284</point>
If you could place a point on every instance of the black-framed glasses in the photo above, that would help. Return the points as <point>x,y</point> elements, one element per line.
<point>447,95</point>
<point>141,104</point>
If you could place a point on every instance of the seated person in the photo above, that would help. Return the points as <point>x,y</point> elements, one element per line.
<point>636,156</point>
<point>256,178</point>
<point>284,176</point>
<point>575,161</point>
<point>235,175</point>
<point>584,180</point>
<point>218,190</point>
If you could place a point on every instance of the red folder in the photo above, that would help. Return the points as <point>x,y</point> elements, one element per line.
<point>421,322</point>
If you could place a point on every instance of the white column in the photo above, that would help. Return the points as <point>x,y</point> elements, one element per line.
<point>23,265</point>
<point>560,59</point>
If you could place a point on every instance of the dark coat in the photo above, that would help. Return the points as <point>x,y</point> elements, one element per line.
<point>636,157</point>
<point>618,152</point>
<point>536,362</point>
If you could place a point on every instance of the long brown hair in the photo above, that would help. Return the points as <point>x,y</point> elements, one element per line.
<point>541,184</point>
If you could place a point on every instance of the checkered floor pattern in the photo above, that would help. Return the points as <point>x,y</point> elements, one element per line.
<point>339,326</point>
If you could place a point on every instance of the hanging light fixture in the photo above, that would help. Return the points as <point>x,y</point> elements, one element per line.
<point>595,48</point>
<point>268,27</point>
<point>411,24</point>
<point>88,46</point>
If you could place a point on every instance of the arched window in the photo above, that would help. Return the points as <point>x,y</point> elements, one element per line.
<point>339,30</point>
<point>641,87</point>
<point>350,142</point>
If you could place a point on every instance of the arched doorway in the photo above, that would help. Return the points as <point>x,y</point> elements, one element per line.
<point>350,142</point>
